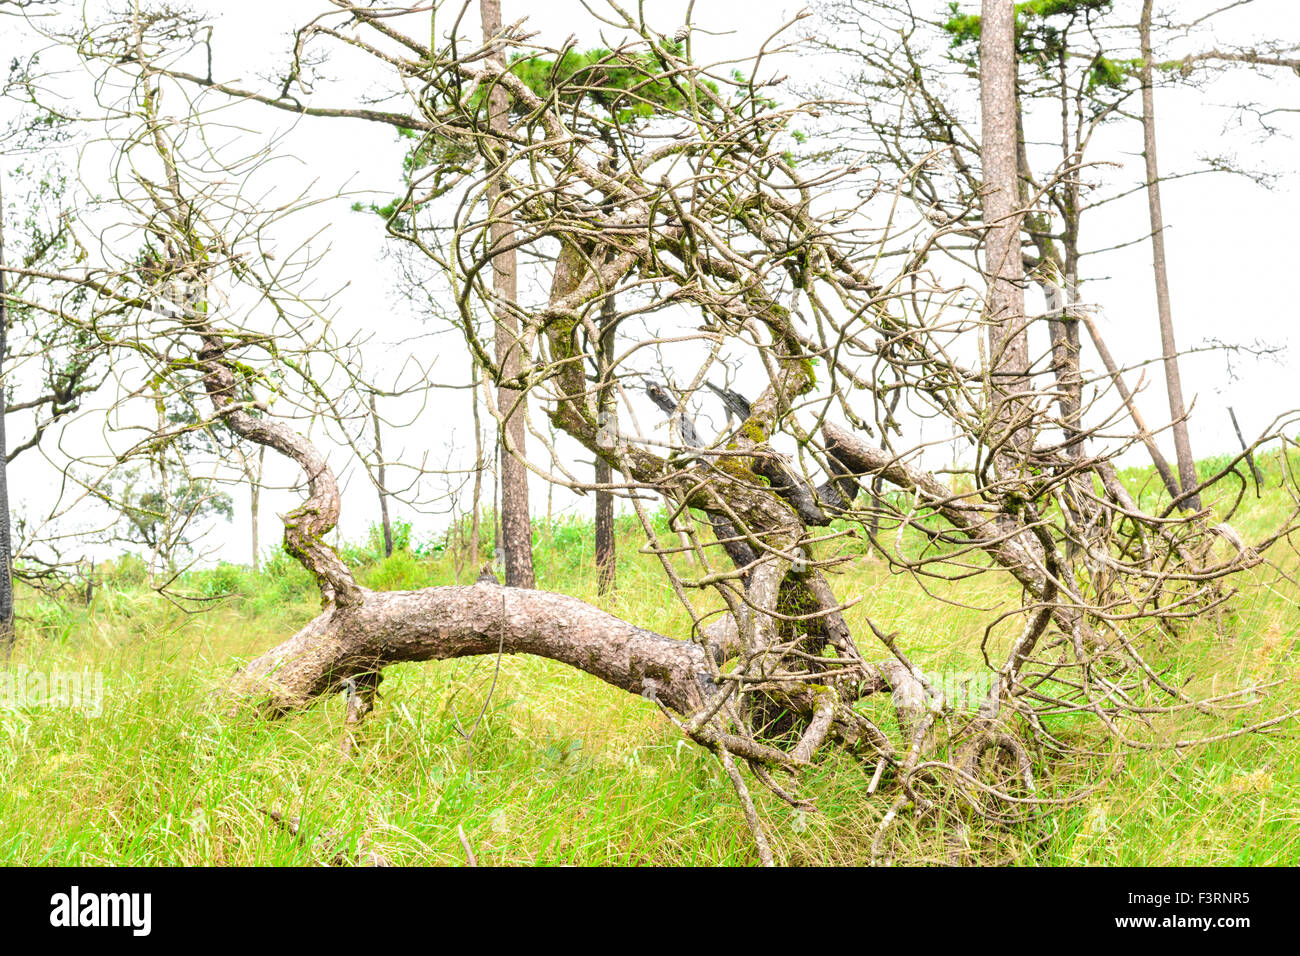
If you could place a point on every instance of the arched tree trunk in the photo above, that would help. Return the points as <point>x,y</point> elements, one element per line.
<point>445,622</point>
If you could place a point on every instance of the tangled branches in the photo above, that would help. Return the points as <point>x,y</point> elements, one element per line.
<point>755,338</point>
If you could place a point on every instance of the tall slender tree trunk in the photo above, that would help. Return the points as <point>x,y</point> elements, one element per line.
<point>479,464</point>
<point>606,554</point>
<point>877,483</point>
<point>254,508</point>
<point>1066,340</point>
<point>1004,267</point>
<point>498,549</point>
<point>1173,380</point>
<point>516,527</point>
<point>381,481</point>
<point>1112,369</point>
<point>162,559</point>
<point>6,544</point>
<point>254,476</point>
<point>1250,457</point>
<point>1055,279</point>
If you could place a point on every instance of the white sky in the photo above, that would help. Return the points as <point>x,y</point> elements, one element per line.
<point>1233,246</point>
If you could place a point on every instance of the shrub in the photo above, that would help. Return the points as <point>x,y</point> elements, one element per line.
<point>127,571</point>
<point>219,581</point>
<point>401,572</point>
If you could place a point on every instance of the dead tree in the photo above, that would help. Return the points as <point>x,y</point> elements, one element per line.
<point>706,225</point>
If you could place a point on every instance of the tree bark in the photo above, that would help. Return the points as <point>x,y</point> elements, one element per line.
<point>486,618</point>
<point>255,504</point>
<point>1250,457</point>
<point>477,498</point>
<point>516,526</point>
<point>606,554</point>
<point>6,542</point>
<point>1004,266</point>
<point>385,523</point>
<point>254,507</point>
<point>1112,369</point>
<point>254,476</point>
<point>306,526</point>
<point>1159,262</point>
<point>975,521</point>
<point>1056,280</point>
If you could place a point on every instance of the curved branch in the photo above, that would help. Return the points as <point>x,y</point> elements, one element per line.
<point>305,527</point>
<point>460,621</point>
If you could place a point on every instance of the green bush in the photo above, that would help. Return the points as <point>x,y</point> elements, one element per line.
<point>222,580</point>
<point>127,571</point>
<point>283,581</point>
<point>52,621</point>
<point>401,572</point>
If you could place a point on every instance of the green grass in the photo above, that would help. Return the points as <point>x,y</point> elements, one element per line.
<point>560,768</point>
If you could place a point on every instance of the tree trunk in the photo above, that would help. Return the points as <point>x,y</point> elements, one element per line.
<point>1004,266</point>
<point>254,476</point>
<point>1055,279</point>
<point>516,526</point>
<point>605,546</point>
<point>162,558</point>
<point>446,622</point>
<point>386,524</point>
<point>877,504</point>
<point>1112,369</point>
<point>1250,457</point>
<point>255,503</point>
<point>1173,380</point>
<point>6,544</point>
<point>477,500</point>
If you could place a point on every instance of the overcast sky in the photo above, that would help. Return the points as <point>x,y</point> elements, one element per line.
<point>1233,246</point>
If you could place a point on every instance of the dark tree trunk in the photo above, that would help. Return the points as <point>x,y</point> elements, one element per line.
<point>606,554</point>
<point>516,538</point>
<point>1160,267</point>
<point>605,546</point>
<point>1250,457</point>
<point>381,480</point>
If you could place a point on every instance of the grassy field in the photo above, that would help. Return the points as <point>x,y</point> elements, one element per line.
<point>540,764</point>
